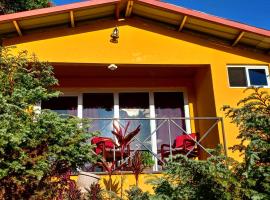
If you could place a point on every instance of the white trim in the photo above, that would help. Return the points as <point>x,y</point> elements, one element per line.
<point>186,112</point>
<point>247,76</point>
<point>116,107</point>
<point>266,74</point>
<point>247,67</point>
<point>153,128</point>
<point>80,106</point>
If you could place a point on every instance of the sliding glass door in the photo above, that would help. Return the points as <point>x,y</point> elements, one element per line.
<point>151,110</point>
<point>169,105</point>
<point>135,107</point>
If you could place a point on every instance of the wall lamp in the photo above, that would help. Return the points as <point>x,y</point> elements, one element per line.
<point>115,35</point>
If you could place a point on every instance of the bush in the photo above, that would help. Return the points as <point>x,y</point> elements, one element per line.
<point>35,146</point>
<point>253,121</point>
<point>193,179</point>
<point>220,177</point>
<point>135,193</point>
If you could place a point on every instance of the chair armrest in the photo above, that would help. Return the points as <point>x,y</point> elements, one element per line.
<point>164,145</point>
<point>188,140</point>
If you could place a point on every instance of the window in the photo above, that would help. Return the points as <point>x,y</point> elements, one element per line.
<point>237,76</point>
<point>171,105</point>
<point>257,77</point>
<point>99,105</point>
<point>62,105</point>
<point>135,107</point>
<point>245,76</point>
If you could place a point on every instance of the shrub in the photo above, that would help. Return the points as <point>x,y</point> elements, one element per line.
<point>35,146</point>
<point>193,179</point>
<point>253,120</point>
<point>220,177</point>
<point>135,193</point>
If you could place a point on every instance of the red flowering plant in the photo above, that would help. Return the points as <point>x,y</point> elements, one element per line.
<point>124,137</point>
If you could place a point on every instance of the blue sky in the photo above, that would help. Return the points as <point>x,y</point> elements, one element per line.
<point>252,12</point>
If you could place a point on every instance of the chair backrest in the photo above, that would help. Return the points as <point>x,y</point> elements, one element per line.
<point>185,139</point>
<point>100,141</point>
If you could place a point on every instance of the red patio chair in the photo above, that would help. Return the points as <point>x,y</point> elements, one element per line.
<point>103,145</point>
<point>182,145</point>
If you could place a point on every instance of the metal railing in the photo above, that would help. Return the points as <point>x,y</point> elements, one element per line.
<point>156,132</point>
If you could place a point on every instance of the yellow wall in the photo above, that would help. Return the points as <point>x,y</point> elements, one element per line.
<point>128,180</point>
<point>141,43</point>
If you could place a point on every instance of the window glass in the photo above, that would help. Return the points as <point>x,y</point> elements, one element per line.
<point>62,105</point>
<point>136,105</point>
<point>237,76</point>
<point>99,105</point>
<point>169,105</point>
<point>257,77</point>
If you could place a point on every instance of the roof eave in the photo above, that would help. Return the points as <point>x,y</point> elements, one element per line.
<point>55,10</point>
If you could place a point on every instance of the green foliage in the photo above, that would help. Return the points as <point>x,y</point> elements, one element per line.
<point>35,146</point>
<point>147,159</point>
<point>253,121</point>
<point>12,6</point>
<point>135,193</point>
<point>220,177</point>
<point>192,179</point>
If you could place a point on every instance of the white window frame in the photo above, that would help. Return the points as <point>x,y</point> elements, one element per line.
<point>247,67</point>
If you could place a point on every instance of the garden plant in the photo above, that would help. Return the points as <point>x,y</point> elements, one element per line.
<point>36,146</point>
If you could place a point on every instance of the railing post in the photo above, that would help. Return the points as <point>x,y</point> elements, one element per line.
<point>224,137</point>
<point>170,137</point>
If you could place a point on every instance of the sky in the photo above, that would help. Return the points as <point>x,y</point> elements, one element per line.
<point>252,12</point>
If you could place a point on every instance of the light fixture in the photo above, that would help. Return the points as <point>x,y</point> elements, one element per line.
<point>112,67</point>
<point>115,35</point>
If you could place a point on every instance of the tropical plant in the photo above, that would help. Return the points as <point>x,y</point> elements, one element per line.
<point>124,138</point>
<point>66,188</point>
<point>110,167</point>
<point>94,192</point>
<point>35,146</point>
<point>12,6</point>
<point>137,166</point>
<point>253,120</point>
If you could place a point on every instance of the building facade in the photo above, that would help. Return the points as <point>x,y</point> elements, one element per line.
<point>166,68</point>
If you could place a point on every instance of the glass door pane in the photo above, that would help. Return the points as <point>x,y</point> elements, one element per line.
<point>169,105</point>
<point>136,105</point>
<point>62,105</point>
<point>99,105</point>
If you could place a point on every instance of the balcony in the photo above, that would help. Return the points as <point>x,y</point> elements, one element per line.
<point>161,138</point>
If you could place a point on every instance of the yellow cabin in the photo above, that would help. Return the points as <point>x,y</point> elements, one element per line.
<point>164,68</point>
